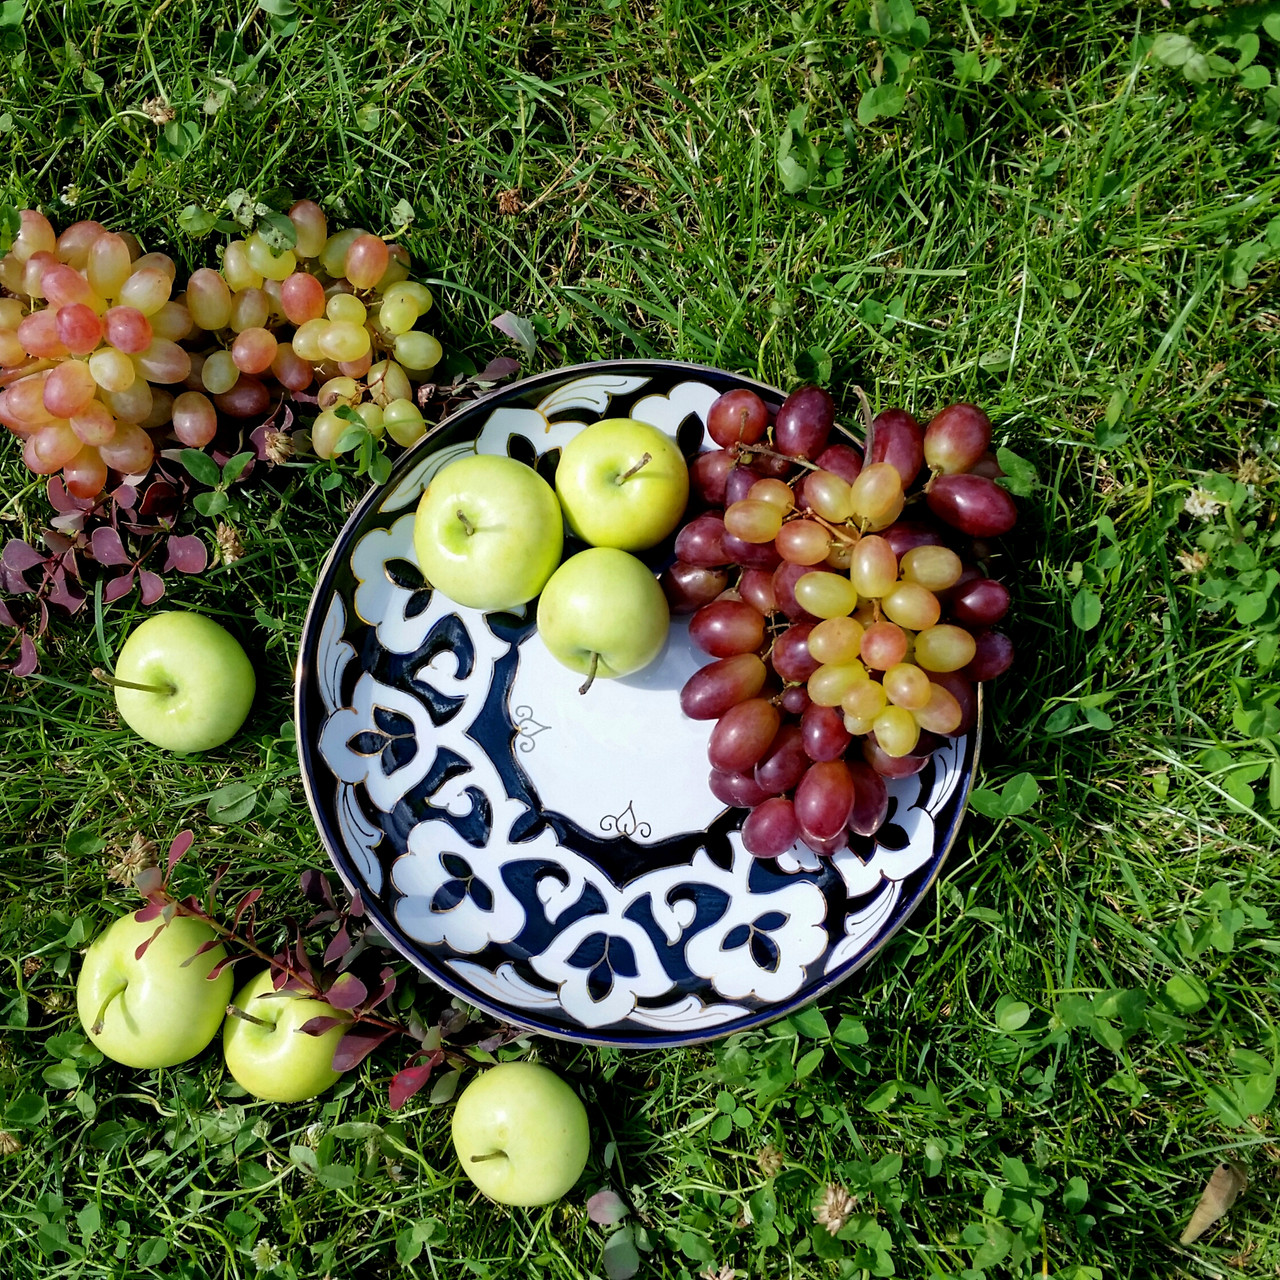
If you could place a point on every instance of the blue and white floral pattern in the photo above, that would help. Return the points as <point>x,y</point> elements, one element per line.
<point>554,858</point>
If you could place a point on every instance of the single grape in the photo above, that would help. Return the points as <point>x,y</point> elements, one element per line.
<point>338,391</point>
<point>94,423</point>
<point>309,222</point>
<point>829,684</point>
<point>326,431</point>
<point>829,496</point>
<point>790,656</point>
<point>842,460</point>
<point>701,542</point>
<point>301,297</point>
<point>346,308</point>
<point>824,799</point>
<point>54,445</point>
<point>219,373</point>
<point>713,689</point>
<point>356,368</point>
<point>250,309</point>
<point>398,314</point>
<point>11,313</point>
<point>773,491</point>
<point>386,381</point>
<point>404,422</point>
<point>934,568</point>
<point>752,520</point>
<point>956,438</point>
<point>35,235</point>
<point>739,482</point>
<point>269,264</point>
<point>804,422</point>
<point>64,285</point>
<point>247,399</point>
<point>993,656</point>
<point>941,714</point>
<point>127,329</point>
<point>783,765</point>
<point>689,587</point>
<point>785,577</point>
<point>22,404</point>
<point>738,790</point>
<point>826,595</point>
<point>708,473</point>
<point>988,465</point>
<point>79,330</point>
<point>960,687</point>
<point>12,353</point>
<point>130,451</point>
<point>864,701</point>
<point>343,341</point>
<point>751,555</point>
<point>727,627</point>
<point>108,265</point>
<point>333,257</point>
<point>254,350</point>
<point>737,417</point>
<point>133,404</point>
<point>981,602</point>
<point>836,640</point>
<point>160,262</point>
<point>888,766</point>
<point>11,274</point>
<point>743,734</point>
<point>871,799</point>
<point>209,300</point>
<point>823,733</point>
<point>755,586</point>
<point>944,648</point>
<point>876,495</point>
<point>163,361</point>
<point>906,685</point>
<point>366,260</point>
<point>905,535</point>
<point>161,409</point>
<point>418,351</point>
<point>69,388</point>
<point>76,242</point>
<point>289,369</point>
<point>195,420</point>
<point>896,731</point>
<point>85,474</point>
<point>771,828</point>
<point>38,334</point>
<point>131,243</point>
<point>146,290</point>
<point>306,339</point>
<point>33,274</point>
<point>172,321</point>
<point>803,542</point>
<point>794,700</point>
<point>237,270</point>
<point>973,504</point>
<point>911,606</point>
<point>884,644</point>
<point>414,291</point>
<point>896,438</point>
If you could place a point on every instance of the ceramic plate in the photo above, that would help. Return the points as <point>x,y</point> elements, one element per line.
<point>553,858</point>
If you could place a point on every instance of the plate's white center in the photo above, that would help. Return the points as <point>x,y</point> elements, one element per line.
<point>621,759</point>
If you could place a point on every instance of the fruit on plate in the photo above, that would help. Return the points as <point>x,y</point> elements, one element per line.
<point>622,484</point>
<point>488,532</point>
<point>876,619</point>
<point>183,682</point>
<point>150,1010</point>
<point>521,1134</point>
<point>268,1052</point>
<point>602,613</point>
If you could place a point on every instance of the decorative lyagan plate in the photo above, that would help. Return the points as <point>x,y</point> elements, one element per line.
<point>555,858</point>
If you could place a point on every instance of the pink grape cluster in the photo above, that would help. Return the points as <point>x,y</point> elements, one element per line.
<point>101,363</point>
<point>833,593</point>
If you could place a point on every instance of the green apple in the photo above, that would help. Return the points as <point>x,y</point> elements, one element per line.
<point>622,483</point>
<point>183,682</point>
<point>488,532</point>
<point>269,1054</point>
<point>521,1134</point>
<point>602,613</point>
<point>152,1012</point>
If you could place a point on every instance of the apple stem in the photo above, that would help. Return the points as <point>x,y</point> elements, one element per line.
<point>468,528</point>
<point>591,673</point>
<point>102,1012</point>
<point>626,475</point>
<point>235,1011</point>
<point>493,1155</point>
<point>165,690</point>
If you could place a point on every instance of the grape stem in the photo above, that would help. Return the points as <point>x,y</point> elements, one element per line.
<point>867,419</point>
<point>645,458</point>
<point>467,527</point>
<point>773,453</point>
<point>234,1011</point>
<point>591,673</point>
<point>164,690</point>
<point>844,535</point>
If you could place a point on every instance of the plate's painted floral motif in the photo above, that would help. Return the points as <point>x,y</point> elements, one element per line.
<point>553,857</point>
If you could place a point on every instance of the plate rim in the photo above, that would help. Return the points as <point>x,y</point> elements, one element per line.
<point>382,919</point>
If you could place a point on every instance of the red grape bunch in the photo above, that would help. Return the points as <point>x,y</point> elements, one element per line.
<point>839,601</point>
<point>101,363</point>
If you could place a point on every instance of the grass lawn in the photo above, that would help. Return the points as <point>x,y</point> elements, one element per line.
<point>1040,1073</point>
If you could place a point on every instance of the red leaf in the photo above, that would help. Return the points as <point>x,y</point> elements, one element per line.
<point>150,912</point>
<point>338,947</point>
<point>5,616</point>
<point>218,873</point>
<point>28,659</point>
<point>357,905</point>
<point>347,992</point>
<point>245,903</point>
<point>107,547</point>
<point>200,950</point>
<point>357,1045</point>
<point>318,1026</point>
<point>21,556</point>
<point>125,496</point>
<point>217,969</point>
<point>303,959</point>
<point>60,499</point>
<point>152,585</point>
<point>64,594</point>
<point>496,370</point>
<point>141,949</point>
<point>118,586</point>
<point>58,543</point>
<point>606,1208</point>
<point>387,978</point>
<point>181,843</point>
<point>405,1083</point>
<point>187,554</point>
<point>315,886</point>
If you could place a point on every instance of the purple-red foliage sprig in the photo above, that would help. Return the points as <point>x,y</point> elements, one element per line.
<point>336,976</point>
